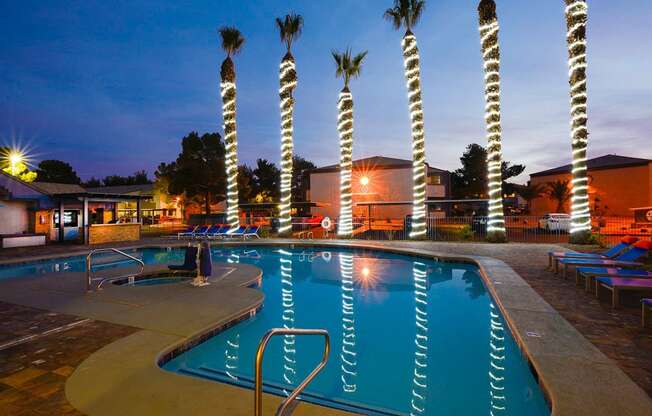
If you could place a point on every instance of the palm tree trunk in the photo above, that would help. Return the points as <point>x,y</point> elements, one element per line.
<point>345,128</point>
<point>413,78</point>
<point>231,141</point>
<point>288,80</point>
<point>491,57</point>
<point>576,18</point>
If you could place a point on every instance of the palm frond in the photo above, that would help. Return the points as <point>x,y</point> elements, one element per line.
<point>348,66</point>
<point>232,40</point>
<point>405,13</point>
<point>393,17</point>
<point>290,28</point>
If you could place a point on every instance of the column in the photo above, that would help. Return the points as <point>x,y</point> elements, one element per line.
<point>61,221</point>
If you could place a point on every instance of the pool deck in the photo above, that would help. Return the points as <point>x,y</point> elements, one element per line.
<point>575,375</point>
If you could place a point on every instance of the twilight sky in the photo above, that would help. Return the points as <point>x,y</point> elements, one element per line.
<point>111,87</point>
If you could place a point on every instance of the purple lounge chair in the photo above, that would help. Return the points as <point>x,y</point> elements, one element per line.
<point>625,242</point>
<point>590,273</point>
<point>646,305</point>
<point>620,284</point>
<point>626,260</point>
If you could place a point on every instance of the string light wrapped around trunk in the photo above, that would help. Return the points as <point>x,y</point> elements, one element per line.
<point>288,81</point>
<point>420,373</point>
<point>412,76</point>
<point>491,59</point>
<point>345,128</point>
<point>576,19</point>
<point>228,92</point>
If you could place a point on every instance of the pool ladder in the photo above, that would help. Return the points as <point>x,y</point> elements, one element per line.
<point>284,408</point>
<point>89,273</point>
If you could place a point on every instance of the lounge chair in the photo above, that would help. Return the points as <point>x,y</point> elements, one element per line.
<point>199,231</point>
<point>646,313</point>
<point>220,232</point>
<point>189,231</point>
<point>554,256</point>
<point>189,261</point>
<point>590,273</point>
<point>620,284</point>
<point>627,259</point>
<point>239,232</point>
<point>251,232</point>
<point>208,232</point>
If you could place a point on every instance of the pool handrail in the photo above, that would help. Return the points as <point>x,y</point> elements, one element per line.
<point>89,274</point>
<point>258,387</point>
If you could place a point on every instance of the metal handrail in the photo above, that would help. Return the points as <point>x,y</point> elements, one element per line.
<point>258,389</point>
<point>89,274</point>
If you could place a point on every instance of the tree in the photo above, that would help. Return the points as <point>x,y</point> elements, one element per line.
<point>232,42</point>
<point>289,29</point>
<point>470,181</point>
<point>198,170</point>
<point>12,163</point>
<point>488,22</point>
<point>56,171</point>
<point>576,20</point>
<point>138,178</point>
<point>530,192</point>
<point>301,177</point>
<point>559,191</point>
<point>92,183</point>
<point>246,184</point>
<point>347,67</point>
<point>406,14</point>
<point>266,179</point>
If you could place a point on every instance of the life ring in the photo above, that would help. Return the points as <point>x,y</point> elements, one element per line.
<point>326,223</point>
<point>326,256</point>
<point>648,215</point>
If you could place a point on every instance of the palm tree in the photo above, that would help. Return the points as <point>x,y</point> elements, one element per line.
<point>406,14</point>
<point>347,68</point>
<point>488,23</point>
<point>232,42</point>
<point>530,192</point>
<point>576,19</point>
<point>290,30</point>
<point>560,192</point>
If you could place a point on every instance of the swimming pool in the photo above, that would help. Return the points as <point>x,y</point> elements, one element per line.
<point>409,336</point>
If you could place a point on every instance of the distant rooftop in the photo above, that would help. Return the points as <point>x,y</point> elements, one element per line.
<point>375,162</point>
<point>144,189</point>
<point>50,188</point>
<point>602,162</point>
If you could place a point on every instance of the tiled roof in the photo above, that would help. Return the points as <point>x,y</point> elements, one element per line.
<point>50,188</point>
<point>602,162</point>
<point>144,189</point>
<point>376,162</point>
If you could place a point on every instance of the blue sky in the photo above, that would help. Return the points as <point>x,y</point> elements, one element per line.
<point>111,87</point>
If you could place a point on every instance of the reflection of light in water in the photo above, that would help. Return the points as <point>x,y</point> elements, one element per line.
<point>348,354</point>
<point>232,356</point>
<point>420,379</point>
<point>233,257</point>
<point>287,296</point>
<point>497,363</point>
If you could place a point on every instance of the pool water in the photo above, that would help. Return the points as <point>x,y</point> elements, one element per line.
<point>409,336</point>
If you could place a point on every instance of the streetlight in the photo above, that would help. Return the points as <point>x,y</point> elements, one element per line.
<point>364,181</point>
<point>15,158</point>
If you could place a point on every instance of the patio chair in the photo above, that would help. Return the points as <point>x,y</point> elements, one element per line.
<point>189,231</point>
<point>220,232</point>
<point>627,259</point>
<point>239,232</point>
<point>619,284</point>
<point>210,231</point>
<point>646,312</point>
<point>201,231</point>
<point>625,242</point>
<point>590,273</point>
<point>189,261</point>
<point>251,232</point>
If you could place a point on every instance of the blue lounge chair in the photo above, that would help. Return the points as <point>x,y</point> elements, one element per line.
<point>626,260</point>
<point>620,284</point>
<point>251,232</point>
<point>220,232</point>
<point>189,261</point>
<point>626,242</point>
<point>200,231</point>
<point>590,273</point>
<point>189,231</point>
<point>237,233</point>
<point>209,231</point>
<point>646,312</point>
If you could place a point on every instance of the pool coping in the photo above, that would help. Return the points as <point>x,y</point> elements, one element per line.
<point>574,375</point>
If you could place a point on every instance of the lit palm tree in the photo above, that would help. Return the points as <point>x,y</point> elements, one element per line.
<point>290,30</point>
<point>347,67</point>
<point>406,13</point>
<point>232,42</point>
<point>576,19</point>
<point>488,21</point>
<point>560,192</point>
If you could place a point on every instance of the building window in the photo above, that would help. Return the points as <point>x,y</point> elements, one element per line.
<point>434,180</point>
<point>70,219</point>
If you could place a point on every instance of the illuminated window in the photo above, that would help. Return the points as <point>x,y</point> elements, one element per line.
<point>434,180</point>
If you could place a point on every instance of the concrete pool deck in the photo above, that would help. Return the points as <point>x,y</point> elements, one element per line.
<point>123,377</point>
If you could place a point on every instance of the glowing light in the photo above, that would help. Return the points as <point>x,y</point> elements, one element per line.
<point>288,81</point>
<point>287,302</point>
<point>345,128</point>
<point>365,271</point>
<point>364,181</point>
<point>491,56</point>
<point>576,20</point>
<point>412,75</point>
<point>497,398</point>
<point>420,374</point>
<point>228,92</point>
<point>348,354</point>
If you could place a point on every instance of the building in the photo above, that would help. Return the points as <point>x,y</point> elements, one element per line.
<point>617,184</point>
<point>158,208</point>
<point>381,187</point>
<point>31,212</point>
